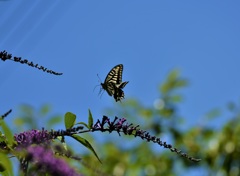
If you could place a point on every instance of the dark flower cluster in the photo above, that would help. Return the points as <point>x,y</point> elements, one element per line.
<point>121,126</point>
<point>6,114</point>
<point>67,132</point>
<point>33,137</point>
<point>5,56</point>
<point>45,162</point>
<point>37,137</point>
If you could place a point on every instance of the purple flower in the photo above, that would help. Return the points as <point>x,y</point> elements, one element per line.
<point>122,126</point>
<point>121,121</point>
<point>45,162</point>
<point>33,137</point>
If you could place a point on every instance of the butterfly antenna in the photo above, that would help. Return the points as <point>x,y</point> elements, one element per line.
<point>95,87</point>
<point>101,90</point>
<point>99,79</point>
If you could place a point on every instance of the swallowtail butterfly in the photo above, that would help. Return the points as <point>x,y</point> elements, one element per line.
<point>113,83</point>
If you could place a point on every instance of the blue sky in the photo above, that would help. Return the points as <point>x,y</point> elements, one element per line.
<point>150,38</point>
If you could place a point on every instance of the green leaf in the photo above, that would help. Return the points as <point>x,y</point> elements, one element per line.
<point>45,109</point>
<point>181,83</point>
<point>60,138</point>
<point>27,109</point>
<point>167,112</point>
<point>2,137</point>
<point>7,132</point>
<point>54,120</point>
<point>213,113</point>
<point>90,119</point>
<point>2,168</point>
<point>19,122</point>
<point>69,119</point>
<point>176,98</point>
<point>5,165</point>
<point>146,113</point>
<point>173,75</point>
<point>172,82</point>
<point>82,123</point>
<point>86,144</point>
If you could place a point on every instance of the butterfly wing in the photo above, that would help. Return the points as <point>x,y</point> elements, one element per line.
<point>109,87</point>
<point>118,94</point>
<point>122,85</point>
<point>113,83</point>
<point>115,75</point>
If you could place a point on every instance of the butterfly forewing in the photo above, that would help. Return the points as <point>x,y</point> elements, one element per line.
<point>115,75</point>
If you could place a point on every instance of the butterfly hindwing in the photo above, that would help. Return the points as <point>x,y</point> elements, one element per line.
<point>118,94</point>
<point>122,85</point>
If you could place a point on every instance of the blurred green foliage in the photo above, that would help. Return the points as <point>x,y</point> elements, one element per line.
<point>6,136</point>
<point>219,148</point>
<point>31,118</point>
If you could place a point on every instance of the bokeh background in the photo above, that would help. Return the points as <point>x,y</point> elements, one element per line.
<point>81,39</point>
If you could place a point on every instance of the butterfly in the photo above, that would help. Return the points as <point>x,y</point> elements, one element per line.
<point>113,83</point>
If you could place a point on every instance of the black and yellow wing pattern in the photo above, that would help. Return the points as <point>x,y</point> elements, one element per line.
<point>113,83</point>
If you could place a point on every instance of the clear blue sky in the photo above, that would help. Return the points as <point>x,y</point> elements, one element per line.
<point>86,38</point>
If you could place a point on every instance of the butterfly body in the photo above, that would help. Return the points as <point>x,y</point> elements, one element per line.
<point>113,83</point>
